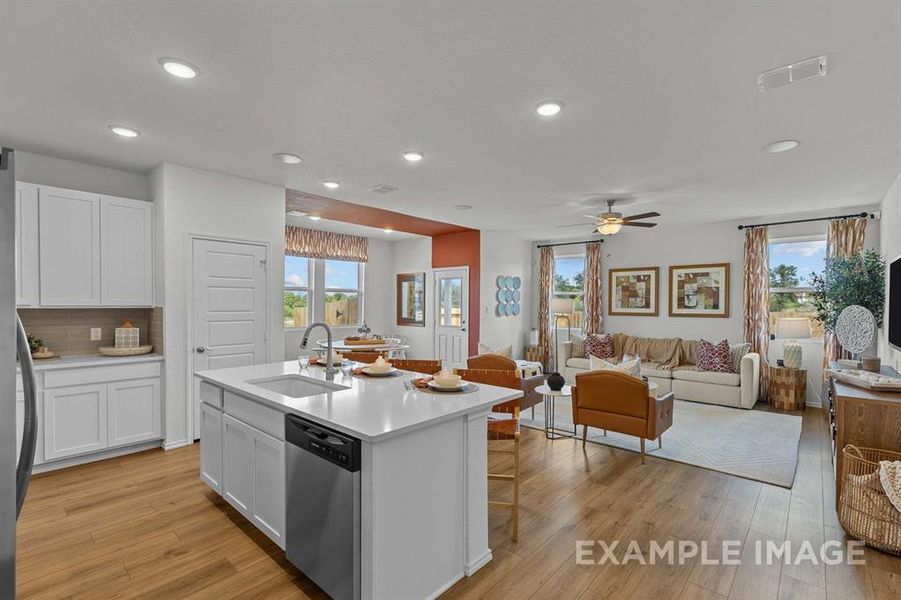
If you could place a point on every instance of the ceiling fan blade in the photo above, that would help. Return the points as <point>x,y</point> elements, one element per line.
<point>646,215</point>
<point>573,225</point>
<point>628,224</point>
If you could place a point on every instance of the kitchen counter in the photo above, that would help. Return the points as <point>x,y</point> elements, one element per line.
<point>368,408</point>
<point>92,360</point>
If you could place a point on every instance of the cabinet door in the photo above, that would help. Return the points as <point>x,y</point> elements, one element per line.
<point>75,420</point>
<point>211,446</point>
<point>133,411</point>
<point>269,486</point>
<point>237,464</point>
<point>26,244</point>
<point>126,252</point>
<point>69,224</point>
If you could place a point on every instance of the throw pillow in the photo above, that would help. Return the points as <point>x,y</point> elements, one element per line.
<point>599,345</point>
<point>715,357</point>
<point>629,367</point>
<point>578,347</point>
<point>506,351</point>
<point>738,352</point>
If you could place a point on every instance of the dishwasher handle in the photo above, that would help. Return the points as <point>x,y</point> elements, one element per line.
<point>335,447</point>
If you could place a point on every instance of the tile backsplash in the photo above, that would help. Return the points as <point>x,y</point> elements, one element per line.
<point>68,330</point>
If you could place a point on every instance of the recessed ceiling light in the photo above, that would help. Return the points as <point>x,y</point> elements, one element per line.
<point>463,207</point>
<point>781,146</point>
<point>315,217</point>
<point>413,155</point>
<point>332,185</point>
<point>549,108</point>
<point>124,131</point>
<point>288,159</point>
<point>387,230</point>
<point>179,68</point>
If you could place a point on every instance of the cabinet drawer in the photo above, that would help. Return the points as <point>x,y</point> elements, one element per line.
<point>256,415</point>
<point>76,376</point>
<point>210,394</point>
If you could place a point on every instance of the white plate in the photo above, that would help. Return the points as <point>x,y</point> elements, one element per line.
<point>441,388</point>
<point>372,373</point>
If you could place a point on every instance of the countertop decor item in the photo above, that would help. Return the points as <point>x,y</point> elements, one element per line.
<point>44,353</point>
<point>127,336</point>
<point>116,351</point>
<point>866,379</point>
<point>855,329</point>
<point>34,343</point>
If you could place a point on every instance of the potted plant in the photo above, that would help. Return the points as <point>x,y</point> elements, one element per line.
<point>34,343</point>
<point>857,279</point>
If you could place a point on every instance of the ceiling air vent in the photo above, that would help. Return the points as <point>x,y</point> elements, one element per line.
<point>793,73</point>
<point>382,188</point>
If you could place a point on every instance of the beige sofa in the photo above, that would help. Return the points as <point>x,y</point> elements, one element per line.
<point>671,364</point>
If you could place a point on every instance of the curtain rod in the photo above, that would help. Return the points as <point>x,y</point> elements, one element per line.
<point>570,243</point>
<point>856,215</point>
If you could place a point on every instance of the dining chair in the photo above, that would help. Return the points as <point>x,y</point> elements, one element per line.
<point>501,430</point>
<point>364,357</point>
<point>429,367</point>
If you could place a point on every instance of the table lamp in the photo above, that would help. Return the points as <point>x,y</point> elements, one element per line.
<point>791,330</point>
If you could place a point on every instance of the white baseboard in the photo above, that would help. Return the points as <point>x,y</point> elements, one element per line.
<point>446,586</point>
<point>95,456</point>
<point>477,564</point>
<point>176,444</point>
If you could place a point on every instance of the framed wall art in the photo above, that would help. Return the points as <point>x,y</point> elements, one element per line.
<point>411,299</point>
<point>699,290</point>
<point>633,292</point>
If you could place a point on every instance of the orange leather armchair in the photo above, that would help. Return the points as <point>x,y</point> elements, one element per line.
<point>621,403</point>
<point>496,362</point>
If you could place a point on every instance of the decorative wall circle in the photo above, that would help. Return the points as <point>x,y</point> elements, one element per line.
<point>517,283</point>
<point>855,329</point>
<point>508,295</point>
<point>515,306</point>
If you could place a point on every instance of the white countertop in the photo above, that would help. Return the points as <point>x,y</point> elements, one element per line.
<point>91,360</point>
<point>371,409</point>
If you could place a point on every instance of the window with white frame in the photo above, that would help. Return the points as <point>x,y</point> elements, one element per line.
<point>298,305</point>
<point>343,293</point>
<point>569,289</point>
<point>330,290</point>
<point>792,263</point>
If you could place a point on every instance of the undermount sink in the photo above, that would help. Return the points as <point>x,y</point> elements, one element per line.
<point>296,386</point>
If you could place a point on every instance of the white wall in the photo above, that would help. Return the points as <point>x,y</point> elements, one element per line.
<point>58,172</point>
<point>891,249</point>
<point>193,201</point>
<point>504,254</point>
<point>414,256</point>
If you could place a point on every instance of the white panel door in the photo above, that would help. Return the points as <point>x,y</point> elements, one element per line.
<point>75,420</point>
<point>268,511</point>
<point>211,446</point>
<point>229,308</point>
<point>134,411</point>
<point>126,252</point>
<point>69,224</point>
<point>451,316</point>
<point>27,245</point>
<point>237,464</point>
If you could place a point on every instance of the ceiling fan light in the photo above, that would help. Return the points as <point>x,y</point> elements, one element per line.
<point>609,228</point>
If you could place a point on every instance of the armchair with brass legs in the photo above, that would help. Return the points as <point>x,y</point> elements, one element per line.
<point>500,430</point>
<point>621,403</point>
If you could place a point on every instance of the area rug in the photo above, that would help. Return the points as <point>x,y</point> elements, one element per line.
<point>753,444</point>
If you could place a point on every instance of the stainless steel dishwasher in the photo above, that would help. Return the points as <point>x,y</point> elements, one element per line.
<point>323,506</point>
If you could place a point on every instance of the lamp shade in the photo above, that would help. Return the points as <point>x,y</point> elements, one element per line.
<point>562,306</point>
<point>793,329</point>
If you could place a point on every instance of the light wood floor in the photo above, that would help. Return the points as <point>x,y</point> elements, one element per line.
<point>145,526</point>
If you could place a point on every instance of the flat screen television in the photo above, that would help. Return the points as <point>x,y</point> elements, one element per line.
<point>894,304</point>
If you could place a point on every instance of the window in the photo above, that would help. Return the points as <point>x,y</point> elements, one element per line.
<point>297,291</point>
<point>327,290</point>
<point>792,262</point>
<point>569,288</point>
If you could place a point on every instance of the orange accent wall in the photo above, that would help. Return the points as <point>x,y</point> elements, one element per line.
<point>463,250</point>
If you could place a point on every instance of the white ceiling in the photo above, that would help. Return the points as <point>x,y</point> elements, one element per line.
<point>661,100</point>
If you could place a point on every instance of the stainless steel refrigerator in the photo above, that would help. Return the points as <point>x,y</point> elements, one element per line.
<point>14,475</point>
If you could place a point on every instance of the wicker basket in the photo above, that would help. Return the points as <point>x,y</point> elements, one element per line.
<point>865,511</point>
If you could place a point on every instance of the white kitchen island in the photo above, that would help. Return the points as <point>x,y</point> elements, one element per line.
<point>424,491</point>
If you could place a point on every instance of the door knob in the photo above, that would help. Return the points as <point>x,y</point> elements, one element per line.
<point>200,349</point>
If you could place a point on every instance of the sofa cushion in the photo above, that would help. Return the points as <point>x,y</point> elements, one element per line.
<point>655,369</point>
<point>578,363</point>
<point>715,357</point>
<point>506,351</point>
<point>577,348</point>
<point>629,367</point>
<point>599,345</point>
<point>738,352</point>
<point>701,376</point>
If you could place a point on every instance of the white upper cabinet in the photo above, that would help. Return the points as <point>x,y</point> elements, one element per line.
<point>126,252</point>
<point>27,290</point>
<point>69,247</point>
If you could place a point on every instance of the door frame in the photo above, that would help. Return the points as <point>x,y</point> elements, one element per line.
<point>190,238</point>
<point>437,297</point>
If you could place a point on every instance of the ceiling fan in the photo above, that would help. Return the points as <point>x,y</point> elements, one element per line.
<point>610,222</point>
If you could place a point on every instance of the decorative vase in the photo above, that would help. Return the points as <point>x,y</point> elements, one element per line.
<point>791,355</point>
<point>533,337</point>
<point>556,382</point>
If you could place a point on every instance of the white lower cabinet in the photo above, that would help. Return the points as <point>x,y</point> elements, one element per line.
<point>134,411</point>
<point>211,446</point>
<point>253,475</point>
<point>76,420</point>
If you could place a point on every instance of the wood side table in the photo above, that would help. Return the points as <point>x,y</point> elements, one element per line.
<point>788,388</point>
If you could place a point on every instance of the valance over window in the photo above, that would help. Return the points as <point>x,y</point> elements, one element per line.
<point>313,243</point>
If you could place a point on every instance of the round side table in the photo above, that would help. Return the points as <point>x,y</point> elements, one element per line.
<point>550,431</point>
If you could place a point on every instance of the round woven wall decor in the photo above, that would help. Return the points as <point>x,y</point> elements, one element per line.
<point>855,329</point>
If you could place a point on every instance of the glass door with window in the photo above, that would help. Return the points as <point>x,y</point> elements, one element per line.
<point>451,316</point>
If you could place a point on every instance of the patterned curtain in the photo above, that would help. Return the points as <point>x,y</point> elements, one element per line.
<point>313,243</point>
<point>545,278</point>
<point>845,237</point>
<point>593,314</point>
<point>757,299</point>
